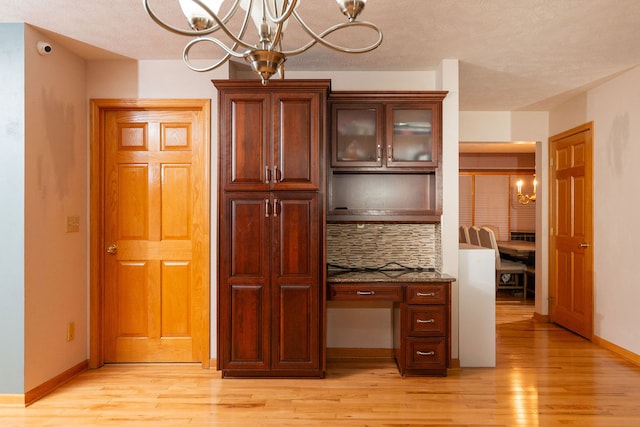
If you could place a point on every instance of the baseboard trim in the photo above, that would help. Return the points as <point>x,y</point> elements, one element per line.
<point>542,318</point>
<point>340,353</point>
<point>47,387</point>
<point>12,400</point>
<point>622,352</point>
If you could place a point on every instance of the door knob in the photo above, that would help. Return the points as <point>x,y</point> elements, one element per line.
<point>112,249</point>
<point>583,245</point>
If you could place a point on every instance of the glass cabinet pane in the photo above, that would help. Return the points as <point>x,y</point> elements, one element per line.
<point>356,139</point>
<point>411,136</point>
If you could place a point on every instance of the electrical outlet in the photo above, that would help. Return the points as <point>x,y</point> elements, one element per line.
<point>73,224</point>
<point>71,331</point>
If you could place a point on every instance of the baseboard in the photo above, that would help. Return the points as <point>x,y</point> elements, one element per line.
<point>12,400</point>
<point>622,352</point>
<point>47,387</point>
<point>340,353</point>
<point>542,318</point>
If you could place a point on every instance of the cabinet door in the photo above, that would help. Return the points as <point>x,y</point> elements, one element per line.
<point>296,286</point>
<point>296,140</point>
<point>356,139</point>
<point>411,136</point>
<point>244,306</point>
<point>245,154</point>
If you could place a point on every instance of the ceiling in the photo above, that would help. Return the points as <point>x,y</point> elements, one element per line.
<point>515,55</point>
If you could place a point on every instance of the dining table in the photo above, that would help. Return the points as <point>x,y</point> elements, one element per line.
<point>517,248</point>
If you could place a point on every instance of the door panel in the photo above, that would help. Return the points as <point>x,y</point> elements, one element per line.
<point>154,167</point>
<point>571,251</point>
<point>296,141</point>
<point>245,142</point>
<point>244,338</point>
<point>296,289</point>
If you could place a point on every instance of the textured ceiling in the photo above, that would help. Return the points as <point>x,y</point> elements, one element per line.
<point>514,54</point>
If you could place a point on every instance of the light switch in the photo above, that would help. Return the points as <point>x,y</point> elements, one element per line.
<point>73,224</point>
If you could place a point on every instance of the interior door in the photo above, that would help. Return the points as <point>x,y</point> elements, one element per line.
<point>155,236</point>
<point>571,250</point>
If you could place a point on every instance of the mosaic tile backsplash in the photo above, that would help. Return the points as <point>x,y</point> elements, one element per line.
<point>374,245</point>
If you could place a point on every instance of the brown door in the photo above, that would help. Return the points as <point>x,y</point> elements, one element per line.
<point>155,235</point>
<point>571,250</point>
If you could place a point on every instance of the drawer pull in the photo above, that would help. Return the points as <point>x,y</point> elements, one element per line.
<point>422,294</point>
<point>426,321</point>
<point>365,293</point>
<point>425,353</point>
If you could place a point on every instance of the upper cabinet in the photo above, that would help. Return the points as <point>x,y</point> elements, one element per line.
<point>384,160</point>
<point>389,130</point>
<point>270,135</point>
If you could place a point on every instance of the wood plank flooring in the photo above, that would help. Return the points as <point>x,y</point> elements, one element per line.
<point>545,376</point>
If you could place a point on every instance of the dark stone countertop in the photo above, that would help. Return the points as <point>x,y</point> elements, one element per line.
<point>386,276</point>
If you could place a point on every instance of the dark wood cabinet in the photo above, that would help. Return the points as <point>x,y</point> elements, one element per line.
<point>421,319</point>
<point>422,329</point>
<point>271,229</point>
<point>385,157</point>
<point>270,136</point>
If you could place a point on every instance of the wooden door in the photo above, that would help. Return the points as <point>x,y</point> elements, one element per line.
<point>156,236</point>
<point>244,314</point>
<point>296,295</point>
<point>571,218</point>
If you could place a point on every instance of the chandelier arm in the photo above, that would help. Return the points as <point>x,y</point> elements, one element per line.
<point>319,38</point>
<point>224,28</point>
<point>192,33</point>
<point>230,51</point>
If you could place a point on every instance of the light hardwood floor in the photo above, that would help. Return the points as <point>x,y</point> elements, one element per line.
<point>545,376</point>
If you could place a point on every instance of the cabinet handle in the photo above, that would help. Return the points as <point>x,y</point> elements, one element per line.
<point>277,175</point>
<point>425,353</point>
<point>379,152</point>
<point>389,153</point>
<point>426,321</point>
<point>267,175</point>
<point>422,294</point>
<point>266,208</point>
<point>365,293</point>
<point>276,204</point>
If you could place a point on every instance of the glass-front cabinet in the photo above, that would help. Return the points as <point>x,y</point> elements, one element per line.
<point>384,132</point>
<point>385,156</point>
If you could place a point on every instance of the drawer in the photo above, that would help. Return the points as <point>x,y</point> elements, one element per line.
<point>363,292</point>
<point>426,320</point>
<point>426,294</point>
<point>426,353</point>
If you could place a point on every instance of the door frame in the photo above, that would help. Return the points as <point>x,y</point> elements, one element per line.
<point>98,109</point>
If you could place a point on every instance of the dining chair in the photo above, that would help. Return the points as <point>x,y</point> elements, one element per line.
<point>496,231</point>
<point>464,234</point>
<point>508,273</point>
<point>474,239</point>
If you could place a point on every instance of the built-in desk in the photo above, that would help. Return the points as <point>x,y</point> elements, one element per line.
<point>421,313</point>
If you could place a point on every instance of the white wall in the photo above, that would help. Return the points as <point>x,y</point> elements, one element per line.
<point>56,162</point>
<point>614,108</point>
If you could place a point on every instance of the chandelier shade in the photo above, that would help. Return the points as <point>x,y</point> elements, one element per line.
<point>264,52</point>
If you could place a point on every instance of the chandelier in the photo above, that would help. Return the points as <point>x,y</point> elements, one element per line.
<point>264,54</point>
<point>524,199</point>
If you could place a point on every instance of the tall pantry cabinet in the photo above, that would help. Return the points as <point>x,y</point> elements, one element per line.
<point>271,228</point>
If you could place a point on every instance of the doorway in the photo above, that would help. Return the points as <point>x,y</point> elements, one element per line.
<point>150,210</point>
